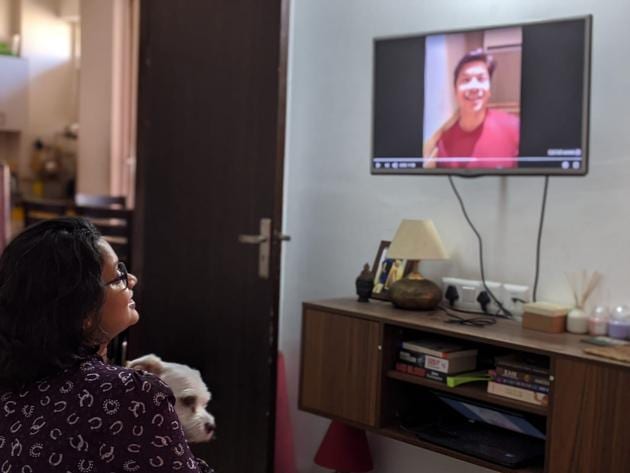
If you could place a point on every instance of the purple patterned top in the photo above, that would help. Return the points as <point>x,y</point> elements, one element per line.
<point>94,418</point>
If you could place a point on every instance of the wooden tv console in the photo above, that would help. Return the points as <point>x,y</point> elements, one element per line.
<point>347,373</point>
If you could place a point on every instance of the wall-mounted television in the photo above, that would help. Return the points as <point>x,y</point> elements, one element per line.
<point>511,100</point>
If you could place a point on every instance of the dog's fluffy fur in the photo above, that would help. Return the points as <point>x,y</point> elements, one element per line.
<point>191,395</point>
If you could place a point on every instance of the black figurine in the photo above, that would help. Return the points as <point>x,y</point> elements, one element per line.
<point>365,284</point>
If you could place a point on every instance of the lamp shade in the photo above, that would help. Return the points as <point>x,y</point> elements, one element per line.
<point>344,449</point>
<point>416,240</point>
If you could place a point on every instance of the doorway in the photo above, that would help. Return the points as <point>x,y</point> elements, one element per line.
<point>212,80</point>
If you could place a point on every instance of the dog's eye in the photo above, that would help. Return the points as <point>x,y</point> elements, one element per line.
<point>188,401</point>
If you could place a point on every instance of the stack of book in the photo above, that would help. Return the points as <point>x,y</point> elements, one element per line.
<point>521,377</point>
<point>435,360</point>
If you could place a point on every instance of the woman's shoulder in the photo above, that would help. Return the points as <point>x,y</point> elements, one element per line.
<point>119,380</point>
<point>120,392</point>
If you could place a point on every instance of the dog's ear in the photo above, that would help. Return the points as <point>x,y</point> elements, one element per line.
<point>151,363</point>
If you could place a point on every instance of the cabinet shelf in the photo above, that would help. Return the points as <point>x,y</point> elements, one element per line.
<point>399,434</point>
<point>472,391</point>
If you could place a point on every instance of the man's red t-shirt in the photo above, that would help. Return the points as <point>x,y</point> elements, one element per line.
<point>497,138</point>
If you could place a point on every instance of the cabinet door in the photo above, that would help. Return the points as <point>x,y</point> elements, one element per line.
<point>340,367</point>
<point>590,431</point>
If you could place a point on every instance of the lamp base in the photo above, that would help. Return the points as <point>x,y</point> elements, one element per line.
<point>415,294</point>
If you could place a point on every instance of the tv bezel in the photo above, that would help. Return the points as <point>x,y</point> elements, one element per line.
<point>586,96</point>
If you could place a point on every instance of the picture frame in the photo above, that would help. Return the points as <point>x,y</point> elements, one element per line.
<point>386,271</point>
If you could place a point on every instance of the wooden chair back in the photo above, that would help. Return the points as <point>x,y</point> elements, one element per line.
<point>93,200</point>
<point>114,224</point>
<point>38,210</point>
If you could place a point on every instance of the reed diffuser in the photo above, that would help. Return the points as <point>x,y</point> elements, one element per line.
<point>582,285</point>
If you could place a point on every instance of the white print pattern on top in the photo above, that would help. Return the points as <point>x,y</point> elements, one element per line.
<point>97,417</point>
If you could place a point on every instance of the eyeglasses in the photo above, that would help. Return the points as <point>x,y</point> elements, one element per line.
<point>122,280</point>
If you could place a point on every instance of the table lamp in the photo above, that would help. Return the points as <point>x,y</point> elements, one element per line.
<point>416,240</point>
<point>344,449</point>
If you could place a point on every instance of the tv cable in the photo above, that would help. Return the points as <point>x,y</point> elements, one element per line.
<point>503,312</point>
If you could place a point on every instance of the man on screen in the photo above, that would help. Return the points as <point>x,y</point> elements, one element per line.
<point>483,137</point>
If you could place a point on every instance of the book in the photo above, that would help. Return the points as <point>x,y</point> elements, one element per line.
<point>410,369</point>
<point>420,372</point>
<point>450,366</point>
<point>522,376</point>
<point>438,348</point>
<point>527,363</point>
<point>520,394</point>
<point>413,358</point>
<point>518,383</point>
<point>470,377</point>
<point>435,376</point>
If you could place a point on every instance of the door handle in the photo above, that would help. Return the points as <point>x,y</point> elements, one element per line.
<point>252,239</point>
<point>263,240</point>
<point>281,237</point>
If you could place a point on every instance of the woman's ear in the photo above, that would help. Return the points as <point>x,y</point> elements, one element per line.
<point>151,363</point>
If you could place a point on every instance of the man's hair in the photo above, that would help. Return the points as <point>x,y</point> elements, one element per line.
<point>50,286</point>
<point>473,56</point>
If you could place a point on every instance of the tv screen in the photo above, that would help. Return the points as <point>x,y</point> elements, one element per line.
<point>503,100</point>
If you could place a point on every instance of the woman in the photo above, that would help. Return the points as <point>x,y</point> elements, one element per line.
<point>63,297</point>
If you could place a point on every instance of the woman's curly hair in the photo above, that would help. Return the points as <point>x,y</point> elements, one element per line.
<point>50,297</point>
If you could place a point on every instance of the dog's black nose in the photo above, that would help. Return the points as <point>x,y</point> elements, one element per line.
<point>209,427</point>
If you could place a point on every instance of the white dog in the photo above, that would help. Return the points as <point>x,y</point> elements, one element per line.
<point>191,395</point>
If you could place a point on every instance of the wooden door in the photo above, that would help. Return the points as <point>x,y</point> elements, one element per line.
<point>589,425</point>
<point>210,153</point>
<point>339,375</point>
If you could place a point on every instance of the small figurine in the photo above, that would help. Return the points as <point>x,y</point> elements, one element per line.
<point>365,284</point>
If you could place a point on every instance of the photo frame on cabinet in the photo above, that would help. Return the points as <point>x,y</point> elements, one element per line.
<point>386,271</point>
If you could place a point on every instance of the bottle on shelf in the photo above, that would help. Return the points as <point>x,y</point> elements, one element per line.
<point>619,324</point>
<point>577,320</point>
<point>598,321</point>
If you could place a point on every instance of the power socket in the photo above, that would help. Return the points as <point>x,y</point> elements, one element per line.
<point>514,296</point>
<point>466,294</point>
<point>496,289</point>
<point>466,290</point>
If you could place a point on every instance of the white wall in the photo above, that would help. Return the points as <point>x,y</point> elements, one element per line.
<point>106,93</point>
<point>337,212</point>
<point>47,44</point>
<point>96,96</point>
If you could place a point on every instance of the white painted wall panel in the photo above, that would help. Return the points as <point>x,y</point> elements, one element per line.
<point>337,212</point>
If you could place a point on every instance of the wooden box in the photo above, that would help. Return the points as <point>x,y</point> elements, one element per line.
<point>545,317</point>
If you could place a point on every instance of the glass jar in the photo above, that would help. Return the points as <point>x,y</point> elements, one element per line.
<point>619,323</point>
<point>598,321</point>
